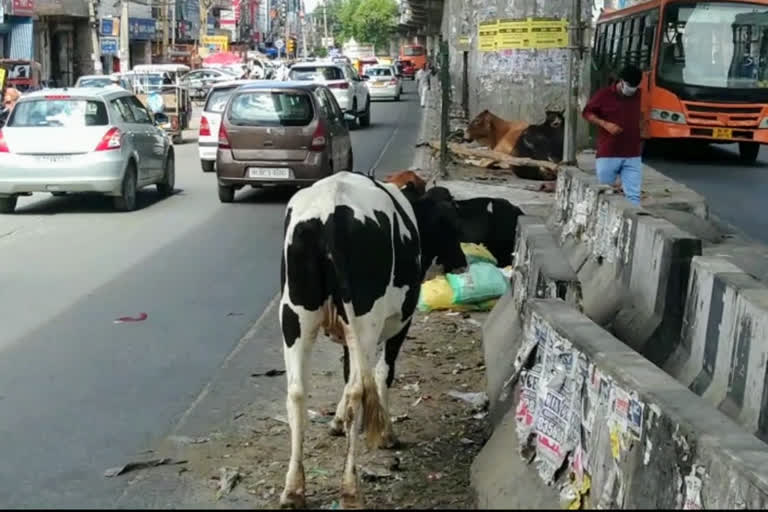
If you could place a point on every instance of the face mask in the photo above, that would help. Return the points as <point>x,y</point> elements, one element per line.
<point>626,90</point>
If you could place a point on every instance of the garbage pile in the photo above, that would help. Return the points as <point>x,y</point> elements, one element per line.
<point>477,289</point>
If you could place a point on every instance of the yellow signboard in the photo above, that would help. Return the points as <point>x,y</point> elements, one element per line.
<point>530,33</point>
<point>486,35</point>
<point>216,43</point>
<point>2,78</point>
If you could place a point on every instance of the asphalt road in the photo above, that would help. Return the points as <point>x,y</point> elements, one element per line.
<point>79,393</point>
<point>736,192</point>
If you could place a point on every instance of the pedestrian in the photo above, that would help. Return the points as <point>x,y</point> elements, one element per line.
<point>10,98</point>
<point>615,110</point>
<point>422,79</point>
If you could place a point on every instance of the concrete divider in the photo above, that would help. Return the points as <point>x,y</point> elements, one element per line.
<point>633,267</point>
<point>724,342</point>
<point>539,270</point>
<point>608,428</point>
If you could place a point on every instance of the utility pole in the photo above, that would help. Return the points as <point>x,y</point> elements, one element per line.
<point>173,26</point>
<point>325,20</point>
<point>287,29</point>
<point>164,50</point>
<point>96,49</point>
<point>572,94</point>
<point>125,52</point>
<point>303,21</point>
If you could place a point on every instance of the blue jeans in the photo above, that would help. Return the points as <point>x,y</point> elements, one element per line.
<point>630,170</point>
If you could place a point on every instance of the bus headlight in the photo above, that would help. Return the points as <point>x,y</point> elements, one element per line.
<point>667,116</point>
<point>764,123</point>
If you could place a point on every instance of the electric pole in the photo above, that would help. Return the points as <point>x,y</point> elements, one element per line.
<point>165,51</point>
<point>325,21</point>
<point>173,26</point>
<point>572,93</point>
<point>125,55</point>
<point>96,49</point>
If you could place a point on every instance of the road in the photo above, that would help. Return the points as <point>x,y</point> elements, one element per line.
<point>79,393</point>
<point>735,192</point>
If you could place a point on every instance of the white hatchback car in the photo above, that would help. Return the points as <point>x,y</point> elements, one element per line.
<point>210,121</point>
<point>384,83</point>
<point>347,86</point>
<point>100,140</point>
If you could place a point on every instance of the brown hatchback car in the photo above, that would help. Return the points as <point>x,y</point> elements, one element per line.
<point>280,134</point>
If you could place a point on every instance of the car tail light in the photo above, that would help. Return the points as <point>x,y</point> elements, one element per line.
<point>223,138</point>
<point>343,85</point>
<point>110,140</point>
<point>205,128</point>
<point>3,144</point>
<point>318,138</point>
<point>393,82</point>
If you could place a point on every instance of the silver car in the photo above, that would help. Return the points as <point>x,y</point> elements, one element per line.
<point>100,140</point>
<point>383,82</point>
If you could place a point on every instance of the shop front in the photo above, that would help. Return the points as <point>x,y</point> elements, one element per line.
<point>141,32</point>
<point>16,30</point>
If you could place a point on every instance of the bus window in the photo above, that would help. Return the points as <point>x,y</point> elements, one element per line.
<point>608,54</point>
<point>635,40</point>
<point>613,58</point>
<point>649,34</point>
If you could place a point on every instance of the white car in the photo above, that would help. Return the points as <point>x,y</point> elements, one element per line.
<point>347,86</point>
<point>383,82</point>
<point>210,121</point>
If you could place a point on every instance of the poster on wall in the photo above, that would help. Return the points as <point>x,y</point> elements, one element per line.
<point>486,35</point>
<point>2,78</point>
<point>513,34</point>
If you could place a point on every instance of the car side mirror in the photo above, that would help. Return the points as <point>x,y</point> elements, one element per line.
<point>160,119</point>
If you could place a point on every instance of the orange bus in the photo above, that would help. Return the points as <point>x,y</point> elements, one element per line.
<point>705,68</point>
<point>415,53</point>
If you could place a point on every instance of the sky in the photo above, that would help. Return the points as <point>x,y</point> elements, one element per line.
<point>311,4</point>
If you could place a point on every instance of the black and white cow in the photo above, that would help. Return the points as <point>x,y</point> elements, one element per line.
<point>354,256</point>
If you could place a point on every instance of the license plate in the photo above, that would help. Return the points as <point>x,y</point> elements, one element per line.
<point>52,159</point>
<point>378,85</point>
<point>279,173</point>
<point>722,133</point>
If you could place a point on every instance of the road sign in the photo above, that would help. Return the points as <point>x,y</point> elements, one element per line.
<point>279,44</point>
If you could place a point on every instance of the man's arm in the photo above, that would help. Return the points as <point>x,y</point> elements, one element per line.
<point>592,114</point>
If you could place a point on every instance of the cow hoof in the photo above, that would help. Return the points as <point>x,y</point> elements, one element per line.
<point>292,500</point>
<point>389,442</point>
<point>336,428</point>
<point>349,501</point>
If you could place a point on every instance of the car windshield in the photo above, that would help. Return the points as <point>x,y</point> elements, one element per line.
<point>316,73</point>
<point>67,113</point>
<point>94,82</point>
<point>383,72</point>
<point>715,44</point>
<point>217,99</point>
<point>413,51</point>
<point>271,108</point>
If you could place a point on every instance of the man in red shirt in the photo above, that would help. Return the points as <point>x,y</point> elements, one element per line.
<point>615,110</point>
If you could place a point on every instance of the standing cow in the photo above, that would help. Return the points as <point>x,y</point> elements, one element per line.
<point>355,254</point>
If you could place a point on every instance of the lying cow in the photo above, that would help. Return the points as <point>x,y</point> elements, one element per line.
<point>541,142</point>
<point>355,254</point>
<point>490,221</point>
<point>496,133</point>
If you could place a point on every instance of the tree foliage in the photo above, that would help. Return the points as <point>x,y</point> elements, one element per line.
<point>367,21</point>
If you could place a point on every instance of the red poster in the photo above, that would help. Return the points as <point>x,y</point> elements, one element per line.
<point>236,8</point>
<point>23,7</point>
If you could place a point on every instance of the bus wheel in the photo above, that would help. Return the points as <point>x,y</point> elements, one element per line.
<point>748,151</point>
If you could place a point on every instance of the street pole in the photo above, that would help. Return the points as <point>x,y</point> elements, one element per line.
<point>445,86</point>
<point>96,49</point>
<point>125,62</point>
<point>572,94</point>
<point>325,20</point>
<point>173,26</point>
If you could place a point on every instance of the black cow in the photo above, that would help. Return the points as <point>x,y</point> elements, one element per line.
<point>355,254</point>
<point>489,221</point>
<point>541,142</point>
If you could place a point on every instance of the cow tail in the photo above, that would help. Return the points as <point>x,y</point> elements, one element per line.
<point>374,416</point>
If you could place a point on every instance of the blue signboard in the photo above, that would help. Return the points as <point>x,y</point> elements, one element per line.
<point>141,28</point>
<point>108,27</point>
<point>109,46</point>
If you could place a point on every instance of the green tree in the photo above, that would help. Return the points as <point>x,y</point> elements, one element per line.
<point>367,21</point>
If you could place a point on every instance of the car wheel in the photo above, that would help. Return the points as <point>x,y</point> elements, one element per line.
<point>165,187</point>
<point>350,162</point>
<point>748,152</point>
<point>226,194</point>
<point>365,119</point>
<point>8,204</point>
<point>354,123</point>
<point>207,165</point>
<point>126,201</point>
<point>397,98</point>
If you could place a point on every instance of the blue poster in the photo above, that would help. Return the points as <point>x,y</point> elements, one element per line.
<point>141,28</point>
<point>109,46</point>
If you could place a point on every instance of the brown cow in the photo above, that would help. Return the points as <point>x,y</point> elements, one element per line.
<point>495,132</point>
<point>403,178</point>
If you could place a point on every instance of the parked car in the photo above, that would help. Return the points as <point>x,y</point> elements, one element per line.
<point>280,134</point>
<point>347,86</point>
<point>100,140</point>
<point>384,82</point>
<point>210,120</point>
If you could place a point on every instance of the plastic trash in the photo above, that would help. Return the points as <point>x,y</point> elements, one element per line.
<point>478,253</point>
<point>483,282</point>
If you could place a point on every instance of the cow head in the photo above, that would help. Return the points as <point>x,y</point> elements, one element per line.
<point>409,183</point>
<point>439,230</point>
<point>555,118</point>
<point>481,126</point>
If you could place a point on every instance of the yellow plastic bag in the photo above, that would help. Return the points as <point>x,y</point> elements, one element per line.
<point>478,253</point>
<point>436,294</point>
